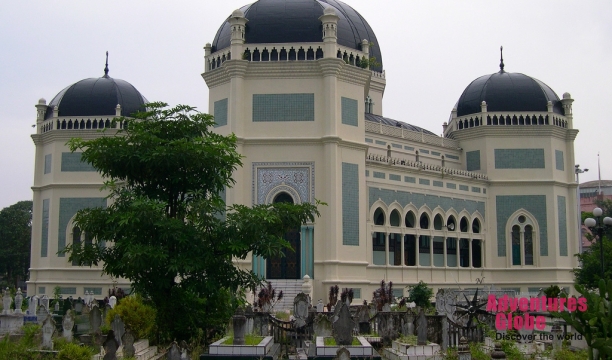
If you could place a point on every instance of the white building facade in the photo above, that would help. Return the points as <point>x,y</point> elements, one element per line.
<point>493,200</point>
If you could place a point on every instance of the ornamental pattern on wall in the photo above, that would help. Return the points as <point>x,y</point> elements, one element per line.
<point>296,178</point>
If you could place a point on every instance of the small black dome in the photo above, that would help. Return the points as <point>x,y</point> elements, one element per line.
<point>505,91</point>
<point>97,97</point>
<point>297,21</point>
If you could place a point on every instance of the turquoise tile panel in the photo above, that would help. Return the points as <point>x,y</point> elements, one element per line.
<point>68,290</point>
<point>71,162</point>
<point>409,148</point>
<point>519,158</point>
<point>47,163</point>
<point>283,107</point>
<point>438,183</point>
<point>472,160</point>
<point>220,108</point>
<point>349,111</point>
<point>350,204</point>
<point>451,185</point>
<point>44,239</point>
<point>562,213</point>
<point>395,177</point>
<point>357,293</point>
<point>42,290</point>
<point>449,156</point>
<point>398,146</point>
<point>424,181</point>
<point>423,151</point>
<point>369,141</point>
<point>559,163</point>
<point>367,173</point>
<point>398,293</point>
<point>435,153</point>
<point>475,189</point>
<point>378,142</point>
<point>464,188</point>
<point>379,175</point>
<point>410,179</point>
<point>68,207</point>
<point>508,204</point>
<point>404,198</point>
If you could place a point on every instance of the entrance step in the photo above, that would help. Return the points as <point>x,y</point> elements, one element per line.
<point>290,288</point>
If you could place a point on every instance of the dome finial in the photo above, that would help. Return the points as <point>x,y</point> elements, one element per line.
<point>501,61</point>
<point>106,67</point>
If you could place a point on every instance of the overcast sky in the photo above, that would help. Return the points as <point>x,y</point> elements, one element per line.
<point>431,51</point>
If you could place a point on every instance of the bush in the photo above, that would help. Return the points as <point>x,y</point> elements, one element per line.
<point>136,315</point>
<point>72,351</point>
<point>420,294</point>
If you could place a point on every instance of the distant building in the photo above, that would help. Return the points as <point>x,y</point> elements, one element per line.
<point>590,193</point>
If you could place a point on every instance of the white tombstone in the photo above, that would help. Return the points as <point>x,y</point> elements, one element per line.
<point>112,301</point>
<point>32,305</point>
<point>307,287</point>
<point>44,301</point>
<point>67,325</point>
<point>48,329</point>
<point>6,301</point>
<point>320,306</point>
<point>18,301</point>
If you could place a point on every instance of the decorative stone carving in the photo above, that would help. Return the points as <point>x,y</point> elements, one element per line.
<point>300,309</point>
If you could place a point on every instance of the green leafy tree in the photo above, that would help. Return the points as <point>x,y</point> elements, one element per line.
<point>595,322</point>
<point>420,294</point>
<point>589,273</point>
<point>167,227</point>
<point>15,236</point>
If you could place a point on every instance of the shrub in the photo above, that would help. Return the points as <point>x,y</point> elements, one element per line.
<point>72,351</point>
<point>420,294</point>
<point>135,314</point>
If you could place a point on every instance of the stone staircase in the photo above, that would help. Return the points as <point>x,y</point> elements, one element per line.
<point>290,289</point>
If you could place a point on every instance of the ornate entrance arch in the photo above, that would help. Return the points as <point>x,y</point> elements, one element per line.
<point>288,265</point>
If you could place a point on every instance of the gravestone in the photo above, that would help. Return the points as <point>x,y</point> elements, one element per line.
<point>32,305</point>
<point>128,344</point>
<point>6,301</point>
<point>407,324</point>
<point>78,306</point>
<point>112,301</point>
<point>386,307</point>
<point>363,318</point>
<point>66,306</point>
<point>95,318</point>
<point>239,323</point>
<point>260,324</point>
<point>322,326</point>
<point>110,346</point>
<point>300,309</point>
<point>342,354</point>
<point>67,325</point>
<point>343,326</point>
<point>386,328</point>
<point>18,301</point>
<point>42,314</point>
<point>184,352</point>
<point>373,310</point>
<point>320,306</point>
<point>48,329</point>
<point>421,329</point>
<point>44,301</point>
<point>248,313</point>
<point>118,328</point>
<point>174,353</point>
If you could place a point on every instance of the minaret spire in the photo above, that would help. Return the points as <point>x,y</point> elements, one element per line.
<point>106,67</point>
<point>501,60</point>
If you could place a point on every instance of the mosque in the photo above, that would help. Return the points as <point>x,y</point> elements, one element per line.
<point>491,202</point>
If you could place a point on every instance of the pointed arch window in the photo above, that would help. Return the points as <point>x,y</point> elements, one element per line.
<point>522,241</point>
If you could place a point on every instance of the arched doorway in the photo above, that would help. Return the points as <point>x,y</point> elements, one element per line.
<point>287,266</point>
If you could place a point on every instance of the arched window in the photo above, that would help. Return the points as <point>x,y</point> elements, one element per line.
<point>424,221</point>
<point>395,218</point>
<point>379,217</point>
<point>463,225</point>
<point>522,237</point>
<point>410,219</point>
<point>451,223</point>
<point>283,197</point>
<point>476,226</point>
<point>438,222</point>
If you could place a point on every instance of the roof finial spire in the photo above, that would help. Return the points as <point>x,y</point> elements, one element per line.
<point>501,61</point>
<point>106,67</point>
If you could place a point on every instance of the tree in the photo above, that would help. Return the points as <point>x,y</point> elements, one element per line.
<point>420,294</point>
<point>15,240</point>
<point>169,229</point>
<point>589,274</point>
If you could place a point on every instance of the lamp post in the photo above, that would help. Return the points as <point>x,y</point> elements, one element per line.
<point>598,225</point>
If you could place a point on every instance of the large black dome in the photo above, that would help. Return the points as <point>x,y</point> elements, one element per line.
<point>97,97</point>
<point>295,21</point>
<point>505,91</point>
